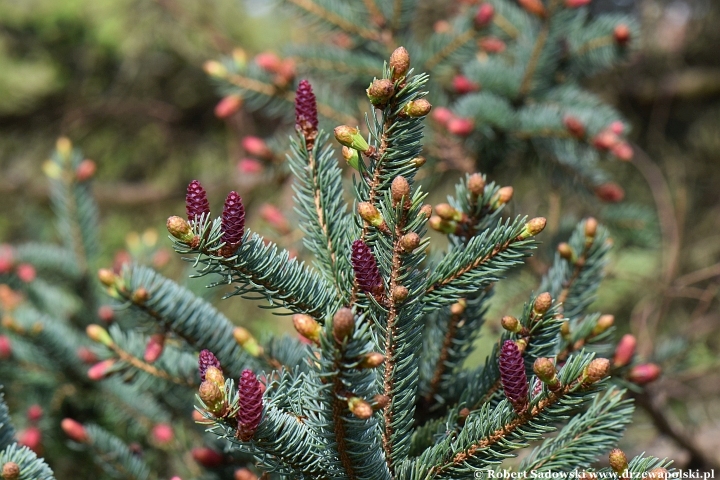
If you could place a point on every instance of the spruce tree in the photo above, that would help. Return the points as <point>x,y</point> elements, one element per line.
<point>375,386</point>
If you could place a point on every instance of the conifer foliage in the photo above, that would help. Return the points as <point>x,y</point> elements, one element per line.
<point>505,78</point>
<point>375,387</point>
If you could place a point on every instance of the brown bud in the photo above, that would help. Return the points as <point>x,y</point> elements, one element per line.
<point>511,324</point>
<point>603,323</point>
<point>591,227</point>
<point>360,408</point>
<point>213,397</point>
<point>426,210</point>
<point>343,324</point>
<point>476,185</point>
<point>410,241</point>
<point>11,471</point>
<point>618,460</point>
<point>399,294</point>
<point>596,371</point>
<point>543,302</point>
<point>565,251</point>
<point>380,402</point>
<point>307,326</point>
<point>372,360</point>
<point>458,308</point>
<point>370,214</point>
<point>400,188</point>
<point>140,296</point>
<point>447,212</point>
<point>503,196</point>
<point>417,108</point>
<point>380,91</point>
<point>107,277</point>
<point>462,415</point>
<point>399,63</point>
<point>624,351</point>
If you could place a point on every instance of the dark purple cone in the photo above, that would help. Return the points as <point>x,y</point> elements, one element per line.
<point>366,270</point>
<point>196,202</point>
<point>233,220</point>
<point>251,405</point>
<point>306,117</point>
<point>512,376</point>
<point>207,359</point>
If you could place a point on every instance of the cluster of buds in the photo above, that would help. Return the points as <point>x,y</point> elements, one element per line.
<point>513,377</point>
<point>364,409</point>
<point>104,368</point>
<point>283,70</point>
<point>212,387</point>
<point>31,437</point>
<point>455,125</point>
<point>608,139</point>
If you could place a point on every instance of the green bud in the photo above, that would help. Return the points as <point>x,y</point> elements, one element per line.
<point>350,137</point>
<point>351,157</point>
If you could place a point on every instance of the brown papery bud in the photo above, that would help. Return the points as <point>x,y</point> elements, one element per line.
<point>618,460</point>
<point>372,360</point>
<point>10,471</point>
<point>458,308</point>
<point>476,185</point>
<point>400,188</point>
<point>343,324</point>
<point>417,108</point>
<point>400,63</point>
<point>360,408</point>
<point>380,91</point>
<point>533,227</point>
<point>410,241</point>
<point>565,251</point>
<point>596,370</point>
<point>426,210</point>
<point>503,196</point>
<point>418,162</point>
<point>380,401</point>
<point>399,293</point>
<point>140,296</point>
<point>543,302</point>
<point>591,227</point>
<point>215,375</point>
<point>511,324</point>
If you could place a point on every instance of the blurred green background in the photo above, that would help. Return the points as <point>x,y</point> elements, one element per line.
<point>123,80</point>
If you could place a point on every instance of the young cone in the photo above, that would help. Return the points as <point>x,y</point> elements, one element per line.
<point>250,404</point>
<point>367,274</point>
<point>196,201</point>
<point>513,377</point>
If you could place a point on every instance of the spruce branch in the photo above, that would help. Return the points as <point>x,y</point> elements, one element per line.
<point>258,270</point>
<point>582,440</point>
<point>491,433</point>
<point>321,10</point>
<point>486,257</point>
<point>7,432</point>
<point>177,309</point>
